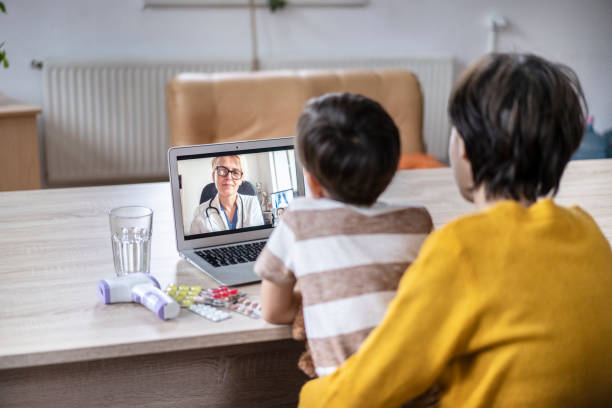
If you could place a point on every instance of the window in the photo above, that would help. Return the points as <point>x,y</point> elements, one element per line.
<point>282,168</point>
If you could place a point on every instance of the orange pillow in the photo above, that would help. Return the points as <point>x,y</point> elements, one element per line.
<point>410,161</point>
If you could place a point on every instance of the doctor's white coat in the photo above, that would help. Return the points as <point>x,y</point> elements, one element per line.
<point>215,221</point>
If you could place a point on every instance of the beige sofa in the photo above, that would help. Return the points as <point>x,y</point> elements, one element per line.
<point>221,107</point>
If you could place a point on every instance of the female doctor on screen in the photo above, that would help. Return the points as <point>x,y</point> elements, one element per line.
<point>227,210</point>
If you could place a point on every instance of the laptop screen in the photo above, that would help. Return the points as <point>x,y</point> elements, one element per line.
<point>224,193</point>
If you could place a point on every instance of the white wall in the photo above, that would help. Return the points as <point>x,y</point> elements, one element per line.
<point>577,33</point>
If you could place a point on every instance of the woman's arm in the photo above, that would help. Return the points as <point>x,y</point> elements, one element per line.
<point>198,225</point>
<point>255,212</point>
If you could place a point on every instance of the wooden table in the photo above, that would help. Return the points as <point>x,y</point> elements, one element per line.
<point>19,156</point>
<point>61,347</point>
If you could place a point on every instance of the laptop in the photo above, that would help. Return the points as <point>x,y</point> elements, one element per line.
<point>224,248</point>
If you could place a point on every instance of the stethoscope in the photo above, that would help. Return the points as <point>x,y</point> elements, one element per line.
<point>210,207</point>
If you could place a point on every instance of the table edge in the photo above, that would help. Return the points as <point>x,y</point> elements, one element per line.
<point>58,356</point>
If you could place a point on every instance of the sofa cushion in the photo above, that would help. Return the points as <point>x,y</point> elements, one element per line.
<point>411,161</point>
<point>222,107</point>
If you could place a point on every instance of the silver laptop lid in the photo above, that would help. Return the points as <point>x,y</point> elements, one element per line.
<point>269,168</point>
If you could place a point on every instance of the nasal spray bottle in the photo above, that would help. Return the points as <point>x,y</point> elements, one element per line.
<point>141,288</point>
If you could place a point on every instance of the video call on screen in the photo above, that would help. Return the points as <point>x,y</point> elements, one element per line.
<point>268,183</point>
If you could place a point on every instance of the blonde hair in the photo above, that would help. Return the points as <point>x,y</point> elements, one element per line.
<point>213,163</point>
<point>214,160</point>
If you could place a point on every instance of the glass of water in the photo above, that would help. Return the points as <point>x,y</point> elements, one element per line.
<point>131,229</point>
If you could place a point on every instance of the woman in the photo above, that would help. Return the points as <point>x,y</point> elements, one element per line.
<point>227,210</point>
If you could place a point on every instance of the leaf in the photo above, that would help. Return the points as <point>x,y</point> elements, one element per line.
<point>277,4</point>
<point>3,59</point>
<point>2,8</point>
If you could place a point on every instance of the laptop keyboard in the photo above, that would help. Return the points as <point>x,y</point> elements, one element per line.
<point>232,255</point>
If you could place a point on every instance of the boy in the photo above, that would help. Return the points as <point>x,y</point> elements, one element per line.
<point>346,251</point>
<point>508,307</point>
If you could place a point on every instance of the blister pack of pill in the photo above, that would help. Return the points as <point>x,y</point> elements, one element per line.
<point>205,302</point>
<point>209,312</point>
<point>183,294</point>
<point>247,307</point>
<point>224,293</point>
<point>209,300</point>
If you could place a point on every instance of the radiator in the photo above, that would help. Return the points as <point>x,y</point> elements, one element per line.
<point>106,121</point>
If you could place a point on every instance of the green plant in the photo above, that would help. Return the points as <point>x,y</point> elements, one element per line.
<point>3,59</point>
<point>277,4</point>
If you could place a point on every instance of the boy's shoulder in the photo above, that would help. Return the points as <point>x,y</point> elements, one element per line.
<point>376,209</point>
<point>309,204</point>
<point>330,217</point>
<point>510,215</point>
<point>382,207</point>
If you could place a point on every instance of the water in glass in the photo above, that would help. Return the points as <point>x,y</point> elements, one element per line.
<point>132,250</point>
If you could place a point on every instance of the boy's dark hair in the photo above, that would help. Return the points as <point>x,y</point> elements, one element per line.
<point>350,144</point>
<point>521,118</point>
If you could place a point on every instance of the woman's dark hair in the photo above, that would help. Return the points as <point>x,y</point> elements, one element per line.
<point>350,144</point>
<point>521,118</point>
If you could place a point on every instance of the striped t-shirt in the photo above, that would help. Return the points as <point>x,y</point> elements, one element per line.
<point>347,261</point>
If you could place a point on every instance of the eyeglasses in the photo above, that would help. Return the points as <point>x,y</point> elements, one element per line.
<point>224,171</point>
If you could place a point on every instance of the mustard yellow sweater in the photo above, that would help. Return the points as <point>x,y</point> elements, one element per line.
<point>510,307</point>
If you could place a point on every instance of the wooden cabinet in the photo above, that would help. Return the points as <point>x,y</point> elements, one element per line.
<point>19,150</point>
